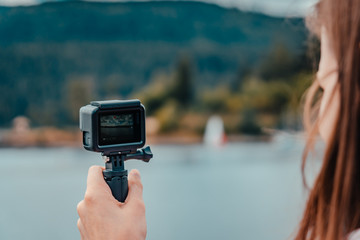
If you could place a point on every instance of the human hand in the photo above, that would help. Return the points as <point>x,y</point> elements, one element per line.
<point>103,217</point>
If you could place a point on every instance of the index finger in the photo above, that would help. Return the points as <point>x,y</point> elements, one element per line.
<point>95,180</point>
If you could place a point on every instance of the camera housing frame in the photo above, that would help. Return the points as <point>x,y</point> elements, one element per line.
<point>90,125</point>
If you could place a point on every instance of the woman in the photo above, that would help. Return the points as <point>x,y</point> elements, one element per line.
<point>333,207</point>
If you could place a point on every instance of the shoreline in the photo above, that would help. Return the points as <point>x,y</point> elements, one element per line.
<point>49,137</point>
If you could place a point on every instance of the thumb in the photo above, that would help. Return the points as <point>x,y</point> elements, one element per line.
<point>135,186</point>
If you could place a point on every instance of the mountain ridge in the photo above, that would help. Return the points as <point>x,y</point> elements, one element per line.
<point>118,48</point>
<point>118,21</point>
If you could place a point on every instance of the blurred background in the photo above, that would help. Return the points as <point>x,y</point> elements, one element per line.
<point>222,82</point>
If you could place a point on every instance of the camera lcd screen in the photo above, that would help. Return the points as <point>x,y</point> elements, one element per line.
<point>119,128</point>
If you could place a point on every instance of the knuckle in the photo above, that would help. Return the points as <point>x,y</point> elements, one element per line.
<point>79,207</point>
<point>140,205</point>
<point>135,173</point>
<point>89,199</point>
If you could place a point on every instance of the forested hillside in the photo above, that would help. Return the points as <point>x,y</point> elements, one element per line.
<point>56,56</point>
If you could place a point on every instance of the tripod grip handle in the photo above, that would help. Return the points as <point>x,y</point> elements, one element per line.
<point>118,184</point>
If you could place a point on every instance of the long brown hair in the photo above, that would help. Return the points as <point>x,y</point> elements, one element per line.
<point>333,207</point>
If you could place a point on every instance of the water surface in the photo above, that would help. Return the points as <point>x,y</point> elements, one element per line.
<point>241,191</point>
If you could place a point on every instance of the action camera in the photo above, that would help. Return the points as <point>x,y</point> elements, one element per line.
<point>116,128</point>
<point>113,126</point>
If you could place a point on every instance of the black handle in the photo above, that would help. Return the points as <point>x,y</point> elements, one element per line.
<point>118,183</point>
<point>115,174</point>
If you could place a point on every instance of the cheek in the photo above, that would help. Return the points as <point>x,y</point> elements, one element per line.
<point>329,109</point>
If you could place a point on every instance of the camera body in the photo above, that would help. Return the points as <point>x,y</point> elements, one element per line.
<point>112,127</point>
<point>116,128</point>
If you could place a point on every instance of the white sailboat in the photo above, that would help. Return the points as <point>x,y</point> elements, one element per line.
<point>214,132</point>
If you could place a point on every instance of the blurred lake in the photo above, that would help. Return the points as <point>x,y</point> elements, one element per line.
<point>240,191</point>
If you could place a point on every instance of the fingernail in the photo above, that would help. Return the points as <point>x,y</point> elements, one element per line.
<point>135,173</point>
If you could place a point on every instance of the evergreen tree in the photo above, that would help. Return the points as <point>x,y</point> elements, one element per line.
<point>182,90</point>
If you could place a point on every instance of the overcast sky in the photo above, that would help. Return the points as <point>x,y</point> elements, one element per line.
<point>272,7</point>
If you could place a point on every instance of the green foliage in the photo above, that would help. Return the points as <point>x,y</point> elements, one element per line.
<point>120,45</point>
<point>215,100</point>
<point>270,104</point>
<point>79,92</point>
<point>268,97</point>
<point>176,88</point>
<point>249,123</point>
<point>168,116</point>
<point>155,94</point>
<point>175,21</point>
<point>62,55</point>
<point>279,63</point>
<point>182,89</point>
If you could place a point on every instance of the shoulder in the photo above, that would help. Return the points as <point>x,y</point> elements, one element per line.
<point>355,235</point>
